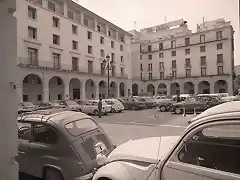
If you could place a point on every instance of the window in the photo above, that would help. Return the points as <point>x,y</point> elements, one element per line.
<point>113,71</point>
<point>32,32</point>
<point>141,67</point>
<point>56,22</point>
<point>203,71</point>
<point>121,47</point>
<point>219,35</point>
<point>70,15</point>
<point>149,48</point>
<point>102,53</point>
<point>187,41</point>
<point>24,130</point>
<point>141,76</point>
<point>208,148</point>
<point>33,56</point>
<point>89,34</point>
<point>90,67</point>
<point>102,69</point>
<point>32,12</point>
<point>160,55</point>
<point>173,53</point>
<point>150,76</point>
<point>113,56</point>
<point>89,49</point>
<point>98,28</point>
<point>56,61</point>
<point>122,38</point>
<point>174,74</point>
<point>122,60</point>
<point>203,60</point>
<point>202,38</point>
<point>220,58</point>
<point>74,29</point>
<point>219,46</point>
<point>173,44</point>
<point>140,57</point>
<point>101,40</point>
<point>160,46</point>
<point>187,62</point>
<point>150,67</point>
<point>161,75</point>
<point>149,56</point>
<point>112,44</point>
<point>74,64</point>
<point>161,66</point>
<point>44,134</point>
<point>51,6</point>
<point>202,48</point>
<point>122,72</point>
<point>174,64</point>
<point>140,48</point>
<point>59,97</point>
<point>220,70</point>
<point>85,22</point>
<point>188,72</point>
<point>74,45</point>
<point>109,33</point>
<point>25,98</point>
<point>56,39</point>
<point>187,51</point>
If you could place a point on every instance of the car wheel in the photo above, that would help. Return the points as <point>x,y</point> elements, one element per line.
<point>105,114</point>
<point>163,108</point>
<point>178,110</point>
<point>52,174</point>
<point>113,110</point>
<point>95,112</point>
<point>134,108</point>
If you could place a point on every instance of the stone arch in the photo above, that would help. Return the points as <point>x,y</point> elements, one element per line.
<point>135,88</point>
<point>56,88</point>
<point>90,89</point>
<point>122,89</point>
<point>75,88</point>
<point>32,88</point>
<point>174,88</point>
<point>204,87</point>
<point>189,88</point>
<point>221,86</point>
<point>103,89</point>
<point>113,89</point>
<point>162,89</point>
<point>151,89</point>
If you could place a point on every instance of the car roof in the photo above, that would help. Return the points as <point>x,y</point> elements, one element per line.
<point>223,110</point>
<point>58,116</point>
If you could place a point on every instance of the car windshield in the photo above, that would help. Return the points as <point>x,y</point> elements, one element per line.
<point>79,127</point>
<point>71,103</point>
<point>109,102</point>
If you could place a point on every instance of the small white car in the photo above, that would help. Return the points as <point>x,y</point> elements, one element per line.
<point>208,150</point>
<point>117,106</point>
<point>91,107</point>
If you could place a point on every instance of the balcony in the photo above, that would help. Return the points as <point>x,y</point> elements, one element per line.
<point>39,2</point>
<point>187,65</point>
<point>220,62</point>
<point>67,68</point>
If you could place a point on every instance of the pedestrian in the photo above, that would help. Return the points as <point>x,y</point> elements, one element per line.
<point>178,97</point>
<point>100,108</point>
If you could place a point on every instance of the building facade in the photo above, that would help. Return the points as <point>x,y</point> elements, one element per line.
<point>170,59</point>
<point>61,49</point>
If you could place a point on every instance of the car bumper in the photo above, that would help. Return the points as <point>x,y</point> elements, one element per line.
<point>85,177</point>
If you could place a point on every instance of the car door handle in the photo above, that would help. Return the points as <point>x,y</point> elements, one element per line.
<point>21,152</point>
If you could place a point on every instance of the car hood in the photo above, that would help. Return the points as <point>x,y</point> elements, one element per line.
<point>149,150</point>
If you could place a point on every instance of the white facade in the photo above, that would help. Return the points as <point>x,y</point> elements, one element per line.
<point>204,61</point>
<point>82,79</point>
<point>8,119</point>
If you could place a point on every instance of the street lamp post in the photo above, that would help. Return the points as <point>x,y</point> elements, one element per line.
<point>108,65</point>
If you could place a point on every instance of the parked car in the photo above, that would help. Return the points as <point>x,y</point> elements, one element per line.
<point>72,105</point>
<point>57,104</point>
<point>227,97</point>
<point>164,104</point>
<point>191,103</point>
<point>29,106</point>
<point>42,105</point>
<point>22,109</point>
<point>59,144</point>
<point>117,106</point>
<point>91,107</point>
<point>208,149</point>
<point>149,102</point>
<point>131,103</point>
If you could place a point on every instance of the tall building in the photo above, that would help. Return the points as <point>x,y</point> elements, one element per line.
<point>61,50</point>
<point>171,59</point>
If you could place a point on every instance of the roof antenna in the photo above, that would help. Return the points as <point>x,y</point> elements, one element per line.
<point>203,22</point>
<point>135,25</point>
<point>165,19</point>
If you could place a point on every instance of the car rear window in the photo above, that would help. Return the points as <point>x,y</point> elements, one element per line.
<point>79,127</point>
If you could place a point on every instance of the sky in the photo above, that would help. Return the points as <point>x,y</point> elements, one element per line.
<point>149,13</point>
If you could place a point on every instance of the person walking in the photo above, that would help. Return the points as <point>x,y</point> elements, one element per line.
<point>100,108</point>
<point>178,97</point>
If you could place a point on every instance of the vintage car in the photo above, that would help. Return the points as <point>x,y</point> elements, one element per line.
<point>207,150</point>
<point>91,107</point>
<point>194,103</point>
<point>26,107</point>
<point>56,144</point>
<point>70,104</point>
<point>117,106</point>
<point>149,102</point>
<point>131,103</point>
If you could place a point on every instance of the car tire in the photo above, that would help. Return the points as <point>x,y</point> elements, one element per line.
<point>52,174</point>
<point>134,108</point>
<point>178,110</point>
<point>113,110</point>
<point>95,112</point>
<point>163,108</point>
